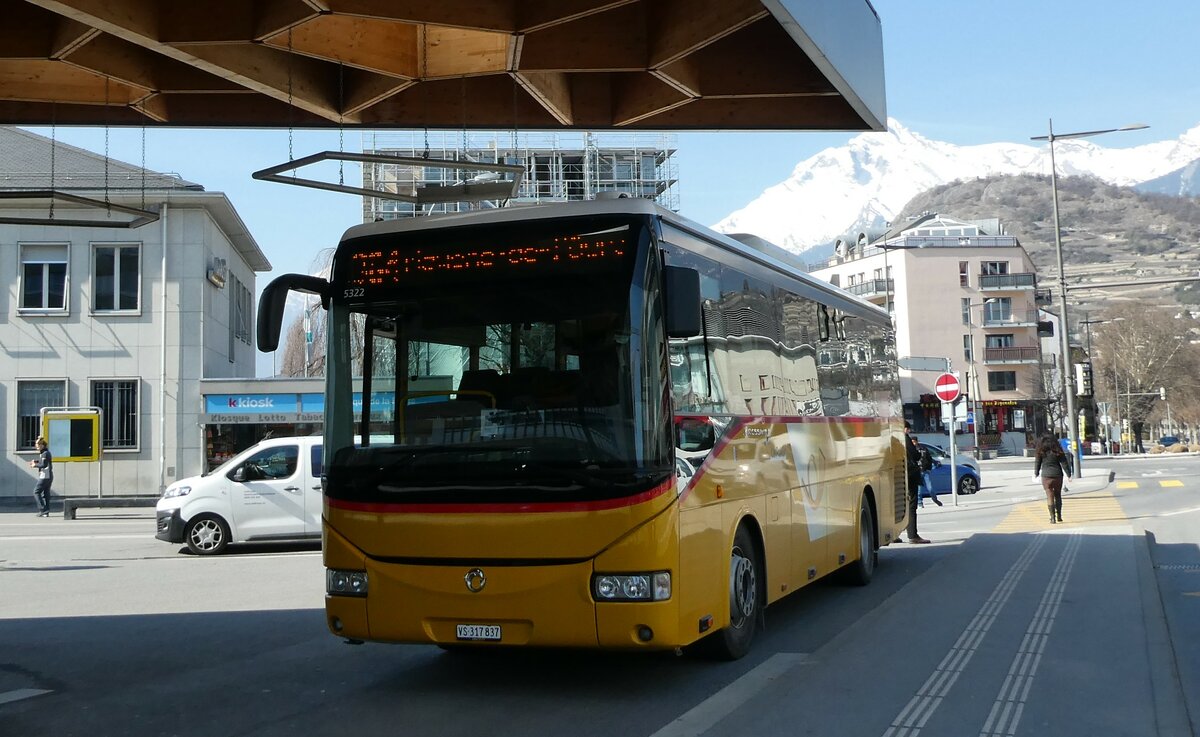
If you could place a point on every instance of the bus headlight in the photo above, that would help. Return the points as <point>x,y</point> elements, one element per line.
<point>345,583</point>
<point>632,586</point>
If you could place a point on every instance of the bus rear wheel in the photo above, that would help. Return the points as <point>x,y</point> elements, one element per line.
<point>745,598</point>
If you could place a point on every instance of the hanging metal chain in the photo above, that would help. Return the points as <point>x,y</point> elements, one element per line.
<point>143,166</point>
<point>341,121</point>
<point>107,204</point>
<point>53,149</point>
<point>291,108</point>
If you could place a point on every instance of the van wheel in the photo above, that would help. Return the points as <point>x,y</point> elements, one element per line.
<point>206,535</point>
<point>861,571</point>
<point>745,599</point>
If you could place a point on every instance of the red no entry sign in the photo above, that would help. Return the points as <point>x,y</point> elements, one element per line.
<point>946,387</point>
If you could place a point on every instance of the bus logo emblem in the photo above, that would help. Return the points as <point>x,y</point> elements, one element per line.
<point>475,580</point>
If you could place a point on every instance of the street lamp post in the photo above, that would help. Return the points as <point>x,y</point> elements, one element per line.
<point>1069,395</point>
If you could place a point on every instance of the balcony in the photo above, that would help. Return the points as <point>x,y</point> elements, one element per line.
<point>1015,319</point>
<point>996,282</point>
<point>873,288</point>
<point>1012,354</point>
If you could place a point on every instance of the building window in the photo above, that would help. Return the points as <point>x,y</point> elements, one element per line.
<point>44,277</point>
<point>1005,340</point>
<point>116,278</point>
<point>32,396</point>
<point>994,268</point>
<point>998,310</point>
<point>118,402</point>
<point>1002,381</point>
<point>966,310</point>
<point>964,276</point>
<point>967,349</point>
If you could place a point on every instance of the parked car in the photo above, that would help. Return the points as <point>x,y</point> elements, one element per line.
<point>1167,441</point>
<point>942,456</point>
<point>269,492</point>
<point>968,479</point>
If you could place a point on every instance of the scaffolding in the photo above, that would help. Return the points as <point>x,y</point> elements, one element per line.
<point>559,167</point>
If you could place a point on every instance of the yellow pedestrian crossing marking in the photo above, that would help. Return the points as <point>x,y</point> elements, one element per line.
<point>1171,483</point>
<point>1127,484</point>
<point>1077,510</point>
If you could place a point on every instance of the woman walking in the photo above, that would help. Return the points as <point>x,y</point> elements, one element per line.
<point>45,466</point>
<point>1053,465</point>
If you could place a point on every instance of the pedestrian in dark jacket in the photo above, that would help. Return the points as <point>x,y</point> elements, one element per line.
<point>913,462</point>
<point>44,463</point>
<point>1053,465</point>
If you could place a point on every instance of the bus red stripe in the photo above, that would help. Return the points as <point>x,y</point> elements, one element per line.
<point>502,508</point>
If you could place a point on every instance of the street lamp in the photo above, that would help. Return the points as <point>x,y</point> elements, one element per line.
<point>1072,420</point>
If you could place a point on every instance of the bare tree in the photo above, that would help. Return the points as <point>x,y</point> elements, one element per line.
<point>1141,351</point>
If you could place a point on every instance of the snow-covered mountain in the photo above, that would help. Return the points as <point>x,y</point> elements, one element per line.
<point>865,183</point>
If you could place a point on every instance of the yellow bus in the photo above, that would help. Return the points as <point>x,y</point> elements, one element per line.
<point>594,424</point>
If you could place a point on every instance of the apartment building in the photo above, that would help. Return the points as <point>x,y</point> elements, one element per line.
<point>127,319</point>
<point>963,291</point>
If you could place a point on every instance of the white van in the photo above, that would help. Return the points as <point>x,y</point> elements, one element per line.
<point>269,492</point>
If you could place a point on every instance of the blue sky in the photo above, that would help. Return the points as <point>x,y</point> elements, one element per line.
<point>962,71</point>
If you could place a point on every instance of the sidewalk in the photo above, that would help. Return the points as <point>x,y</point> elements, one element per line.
<point>1011,481</point>
<point>1057,633</point>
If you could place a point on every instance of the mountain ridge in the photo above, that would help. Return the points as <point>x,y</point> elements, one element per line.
<point>867,182</point>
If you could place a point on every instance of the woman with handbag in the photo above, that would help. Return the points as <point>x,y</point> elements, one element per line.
<point>1053,465</point>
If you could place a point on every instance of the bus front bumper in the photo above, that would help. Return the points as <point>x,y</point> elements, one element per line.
<point>490,605</point>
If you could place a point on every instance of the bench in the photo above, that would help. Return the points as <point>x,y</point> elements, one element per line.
<point>105,502</point>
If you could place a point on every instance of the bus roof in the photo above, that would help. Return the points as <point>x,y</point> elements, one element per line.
<point>751,247</point>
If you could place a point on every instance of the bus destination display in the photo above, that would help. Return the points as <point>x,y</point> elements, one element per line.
<point>383,268</point>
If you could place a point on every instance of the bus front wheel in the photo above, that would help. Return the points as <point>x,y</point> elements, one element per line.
<point>745,598</point>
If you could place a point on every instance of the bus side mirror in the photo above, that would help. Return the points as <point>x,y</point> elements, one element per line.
<point>682,289</point>
<point>274,299</point>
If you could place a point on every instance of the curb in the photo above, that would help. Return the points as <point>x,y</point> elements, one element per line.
<point>1170,703</point>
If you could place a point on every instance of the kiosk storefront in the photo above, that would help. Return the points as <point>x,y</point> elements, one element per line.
<point>237,413</point>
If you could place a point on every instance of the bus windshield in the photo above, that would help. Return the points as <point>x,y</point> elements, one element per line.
<point>511,373</point>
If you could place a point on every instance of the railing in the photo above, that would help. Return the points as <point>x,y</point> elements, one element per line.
<point>1016,318</point>
<point>871,287</point>
<point>1012,354</point>
<point>1008,281</point>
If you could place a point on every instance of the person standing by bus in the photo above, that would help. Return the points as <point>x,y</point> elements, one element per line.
<point>44,463</point>
<point>1053,465</point>
<point>913,462</point>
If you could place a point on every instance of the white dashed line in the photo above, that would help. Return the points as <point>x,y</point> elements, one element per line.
<point>8,697</point>
<point>1010,703</point>
<point>912,719</point>
<point>704,715</point>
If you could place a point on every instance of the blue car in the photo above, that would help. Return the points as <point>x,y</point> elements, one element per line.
<point>968,480</point>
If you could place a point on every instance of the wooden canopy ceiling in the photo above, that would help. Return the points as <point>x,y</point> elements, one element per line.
<point>531,64</point>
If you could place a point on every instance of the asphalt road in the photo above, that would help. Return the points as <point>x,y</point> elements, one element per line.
<point>106,631</point>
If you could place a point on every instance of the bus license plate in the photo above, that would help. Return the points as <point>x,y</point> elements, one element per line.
<point>477,631</point>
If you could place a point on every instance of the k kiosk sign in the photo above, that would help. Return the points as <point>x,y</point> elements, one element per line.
<point>282,408</point>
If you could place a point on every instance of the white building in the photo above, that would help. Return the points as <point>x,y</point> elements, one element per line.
<point>126,319</point>
<point>963,291</point>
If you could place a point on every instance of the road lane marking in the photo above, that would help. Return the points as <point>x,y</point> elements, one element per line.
<point>7,697</point>
<point>702,717</point>
<point>1127,484</point>
<point>1010,702</point>
<point>1091,509</point>
<point>1170,484</point>
<point>913,717</point>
